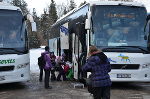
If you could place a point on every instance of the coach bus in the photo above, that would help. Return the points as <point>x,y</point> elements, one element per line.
<point>14,50</point>
<point>120,29</point>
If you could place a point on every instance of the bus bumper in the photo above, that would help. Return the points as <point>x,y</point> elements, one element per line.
<point>141,75</point>
<point>10,77</point>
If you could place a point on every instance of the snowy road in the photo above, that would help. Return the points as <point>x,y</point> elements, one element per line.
<point>34,54</point>
<point>34,89</point>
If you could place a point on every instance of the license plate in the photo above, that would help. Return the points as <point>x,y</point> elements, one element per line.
<point>123,75</point>
<point>2,78</point>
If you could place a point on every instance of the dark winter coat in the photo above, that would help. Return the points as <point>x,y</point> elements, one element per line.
<point>99,67</point>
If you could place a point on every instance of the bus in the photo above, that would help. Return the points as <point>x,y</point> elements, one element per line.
<point>120,29</point>
<point>14,49</point>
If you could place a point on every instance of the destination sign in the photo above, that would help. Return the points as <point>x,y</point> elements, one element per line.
<point>114,15</point>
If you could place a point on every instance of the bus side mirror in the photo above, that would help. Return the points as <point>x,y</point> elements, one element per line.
<point>87,24</point>
<point>88,21</point>
<point>33,24</point>
<point>149,27</point>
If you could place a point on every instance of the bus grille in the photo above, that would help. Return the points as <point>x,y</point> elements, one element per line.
<point>125,66</point>
<point>6,68</point>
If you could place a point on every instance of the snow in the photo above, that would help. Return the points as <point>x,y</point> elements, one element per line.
<point>34,54</point>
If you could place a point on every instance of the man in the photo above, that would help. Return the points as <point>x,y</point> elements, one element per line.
<point>41,63</point>
<point>124,35</point>
<point>47,67</point>
<point>99,67</point>
<point>113,35</point>
<point>2,36</point>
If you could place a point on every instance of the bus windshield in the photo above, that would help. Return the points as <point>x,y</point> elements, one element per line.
<point>118,26</point>
<point>12,30</point>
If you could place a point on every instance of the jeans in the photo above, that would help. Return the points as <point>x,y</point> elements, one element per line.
<point>53,76</point>
<point>41,74</point>
<point>61,73</point>
<point>47,75</point>
<point>101,92</point>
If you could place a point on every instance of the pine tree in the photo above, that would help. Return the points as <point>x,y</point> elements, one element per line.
<point>35,37</point>
<point>52,12</point>
<point>52,18</point>
<point>82,3</point>
<point>72,5</point>
<point>22,4</point>
<point>65,11</point>
<point>46,22</point>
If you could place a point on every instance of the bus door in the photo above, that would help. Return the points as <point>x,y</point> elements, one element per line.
<point>77,50</point>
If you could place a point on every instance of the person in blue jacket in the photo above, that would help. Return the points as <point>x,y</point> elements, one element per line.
<point>99,67</point>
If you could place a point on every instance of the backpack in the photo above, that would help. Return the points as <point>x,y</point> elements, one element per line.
<point>41,61</point>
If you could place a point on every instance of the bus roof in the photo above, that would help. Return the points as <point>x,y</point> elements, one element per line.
<point>116,3</point>
<point>8,6</point>
<point>66,15</point>
<point>91,3</point>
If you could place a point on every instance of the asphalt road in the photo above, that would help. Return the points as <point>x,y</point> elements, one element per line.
<point>34,89</point>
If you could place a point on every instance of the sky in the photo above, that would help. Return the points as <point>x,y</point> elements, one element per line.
<point>39,5</point>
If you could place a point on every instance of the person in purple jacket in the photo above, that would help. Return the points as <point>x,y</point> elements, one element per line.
<point>99,67</point>
<point>47,67</point>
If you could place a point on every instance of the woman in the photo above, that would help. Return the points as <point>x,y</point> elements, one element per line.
<point>99,67</point>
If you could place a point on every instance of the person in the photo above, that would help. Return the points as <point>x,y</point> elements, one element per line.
<point>99,66</point>
<point>60,64</point>
<point>47,67</point>
<point>13,39</point>
<point>118,35</point>
<point>53,58</point>
<point>40,63</point>
<point>113,35</point>
<point>13,35</point>
<point>2,36</point>
<point>69,70</point>
<point>124,35</point>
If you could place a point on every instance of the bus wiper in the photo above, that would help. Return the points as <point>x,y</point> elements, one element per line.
<point>11,49</point>
<point>112,48</point>
<point>135,47</point>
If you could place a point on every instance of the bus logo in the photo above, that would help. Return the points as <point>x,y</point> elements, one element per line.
<point>124,58</point>
<point>110,60</point>
<point>9,61</point>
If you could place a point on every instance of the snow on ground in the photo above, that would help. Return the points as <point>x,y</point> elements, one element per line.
<point>34,54</point>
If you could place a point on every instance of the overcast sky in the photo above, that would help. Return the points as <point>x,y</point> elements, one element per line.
<point>39,5</point>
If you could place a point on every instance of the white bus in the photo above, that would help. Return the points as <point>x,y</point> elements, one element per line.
<point>103,24</point>
<point>14,50</point>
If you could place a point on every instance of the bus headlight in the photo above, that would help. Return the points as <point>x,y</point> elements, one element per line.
<point>22,65</point>
<point>146,65</point>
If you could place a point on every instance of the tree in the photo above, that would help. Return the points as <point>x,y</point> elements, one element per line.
<point>46,22</point>
<point>22,4</point>
<point>35,37</point>
<point>72,5</point>
<point>61,10</point>
<point>52,12</point>
<point>51,19</point>
<point>82,3</point>
<point>8,1</point>
<point>65,11</point>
